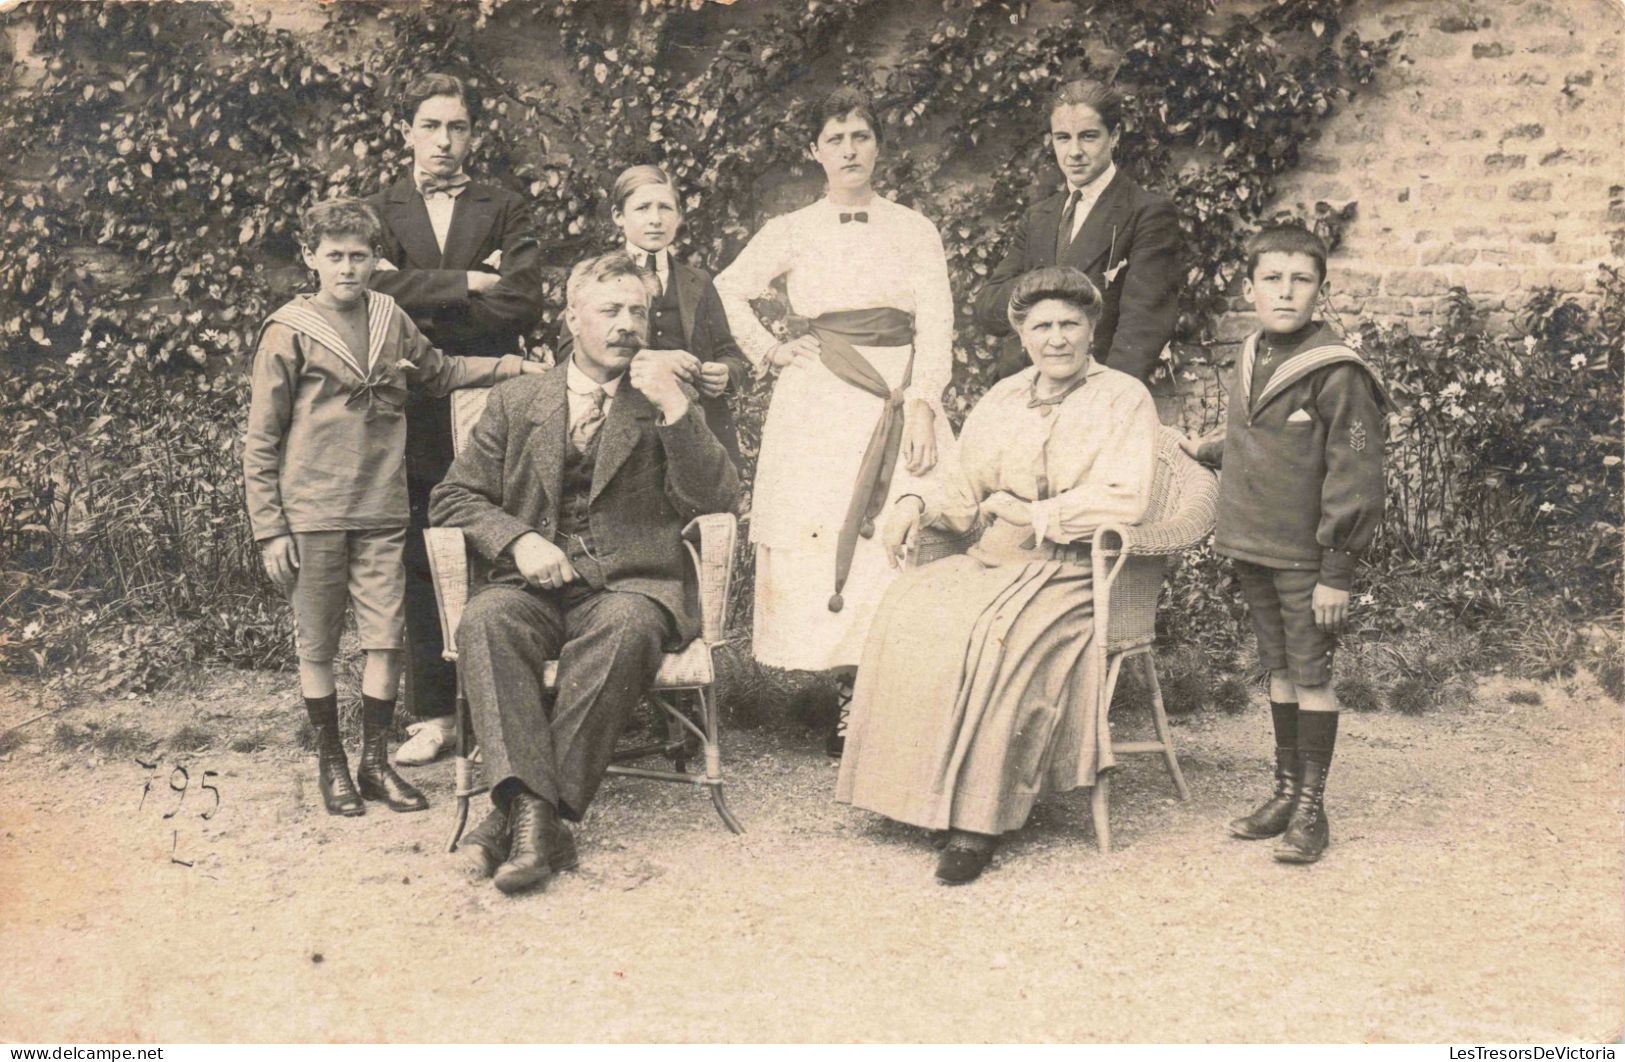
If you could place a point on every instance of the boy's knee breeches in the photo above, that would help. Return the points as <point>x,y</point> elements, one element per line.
<point>363,567</point>
<point>1279,600</point>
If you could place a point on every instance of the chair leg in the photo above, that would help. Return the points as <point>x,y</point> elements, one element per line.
<point>677,735</point>
<point>462,778</point>
<point>1099,806</point>
<point>1159,719</point>
<point>460,823</point>
<point>713,761</point>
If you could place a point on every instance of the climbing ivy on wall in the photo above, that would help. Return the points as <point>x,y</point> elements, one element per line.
<point>158,161</point>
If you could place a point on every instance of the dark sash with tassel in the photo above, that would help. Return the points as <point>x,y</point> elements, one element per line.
<point>839,335</point>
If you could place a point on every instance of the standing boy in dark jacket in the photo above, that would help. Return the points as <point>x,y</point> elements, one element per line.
<point>1300,499</point>
<point>460,256</point>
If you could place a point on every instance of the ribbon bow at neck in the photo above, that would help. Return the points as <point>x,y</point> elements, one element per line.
<point>450,187</point>
<point>860,216</point>
<point>383,394</point>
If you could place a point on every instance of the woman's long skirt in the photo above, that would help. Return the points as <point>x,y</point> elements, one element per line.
<point>813,441</point>
<point>977,695</point>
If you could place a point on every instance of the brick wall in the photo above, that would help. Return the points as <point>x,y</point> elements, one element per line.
<point>1491,155</point>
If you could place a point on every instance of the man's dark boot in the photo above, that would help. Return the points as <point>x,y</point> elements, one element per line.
<point>375,777</point>
<point>332,768</point>
<point>530,820</point>
<point>486,845</point>
<point>1271,817</point>
<point>1308,833</point>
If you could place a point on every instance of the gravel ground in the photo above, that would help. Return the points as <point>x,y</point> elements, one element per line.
<point>1473,894</point>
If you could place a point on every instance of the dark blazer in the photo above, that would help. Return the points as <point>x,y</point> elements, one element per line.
<point>705,329</point>
<point>648,482</point>
<point>433,289</point>
<point>1139,231</point>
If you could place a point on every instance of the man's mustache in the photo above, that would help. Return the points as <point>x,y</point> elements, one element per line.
<point>626,339</point>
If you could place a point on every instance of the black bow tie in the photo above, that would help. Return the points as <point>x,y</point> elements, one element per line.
<point>860,216</point>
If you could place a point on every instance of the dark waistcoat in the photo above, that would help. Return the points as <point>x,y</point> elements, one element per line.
<point>666,320</point>
<point>575,530</point>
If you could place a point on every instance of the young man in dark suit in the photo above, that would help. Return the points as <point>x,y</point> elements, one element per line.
<point>461,259</point>
<point>575,491</point>
<point>1125,238</point>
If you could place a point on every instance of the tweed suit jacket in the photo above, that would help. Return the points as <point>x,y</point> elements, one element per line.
<point>432,286</point>
<point>705,330</point>
<point>649,480</point>
<point>1129,246</point>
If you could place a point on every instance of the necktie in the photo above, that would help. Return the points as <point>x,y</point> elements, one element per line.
<point>450,187</point>
<point>651,266</point>
<point>1063,235</point>
<point>585,429</point>
<point>860,216</point>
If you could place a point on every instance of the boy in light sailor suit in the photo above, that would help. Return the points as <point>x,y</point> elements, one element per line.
<point>1300,499</point>
<point>324,467</point>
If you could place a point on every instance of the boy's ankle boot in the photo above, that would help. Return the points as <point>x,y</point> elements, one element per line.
<point>1308,834</point>
<point>377,779</point>
<point>339,794</point>
<point>1271,817</point>
<point>332,769</point>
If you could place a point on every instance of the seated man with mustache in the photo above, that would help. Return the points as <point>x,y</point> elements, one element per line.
<point>575,491</point>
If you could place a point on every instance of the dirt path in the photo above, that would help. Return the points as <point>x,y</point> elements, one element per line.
<point>1473,895</point>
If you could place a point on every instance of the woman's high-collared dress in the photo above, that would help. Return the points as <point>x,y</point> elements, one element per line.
<point>882,255</point>
<point>977,693</point>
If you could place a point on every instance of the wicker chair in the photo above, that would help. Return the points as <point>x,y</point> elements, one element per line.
<point>710,542</point>
<point>1129,565</point>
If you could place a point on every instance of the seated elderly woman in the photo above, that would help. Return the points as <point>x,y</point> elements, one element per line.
<point>977,694</point>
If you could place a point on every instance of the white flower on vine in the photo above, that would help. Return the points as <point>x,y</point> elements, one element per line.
<point>1547,507</point>
<point>1454,412</point>
<point>1577,362</point>
<point>1494,378</point>
<point>1355,342</point>
<point>1368,599</point>
<point>1528,344</point>
<point>76,359</point>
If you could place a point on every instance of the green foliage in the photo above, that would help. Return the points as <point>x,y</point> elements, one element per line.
<point>159,162</point>
<point>1357,693</point>
<point>1505,459</point>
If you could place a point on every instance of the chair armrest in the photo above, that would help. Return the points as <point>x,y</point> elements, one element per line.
<point>448,563</point>
<point>710,540</point>
<point>1198,509</point>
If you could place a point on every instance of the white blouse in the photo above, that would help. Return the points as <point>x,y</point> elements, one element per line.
<point>894,259</point>
<point>1096,449</point>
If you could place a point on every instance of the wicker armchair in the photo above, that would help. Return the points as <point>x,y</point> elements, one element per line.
<point>710,543</point>
<point>1129,565</point>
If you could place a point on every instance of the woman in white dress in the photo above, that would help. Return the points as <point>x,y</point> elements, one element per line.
<point>855,419</point>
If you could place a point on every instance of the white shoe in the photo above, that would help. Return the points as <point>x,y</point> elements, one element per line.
<point>426,741</point>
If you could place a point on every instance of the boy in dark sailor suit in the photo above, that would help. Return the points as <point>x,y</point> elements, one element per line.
<point>461,257</point>
<point>324,469</point>
<point>1299,501</point>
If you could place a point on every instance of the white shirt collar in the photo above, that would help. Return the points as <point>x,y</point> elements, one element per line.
<point>582,384</point>
<point>419,176</point>
<point>640,256</point>
<point>1098,185</point>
